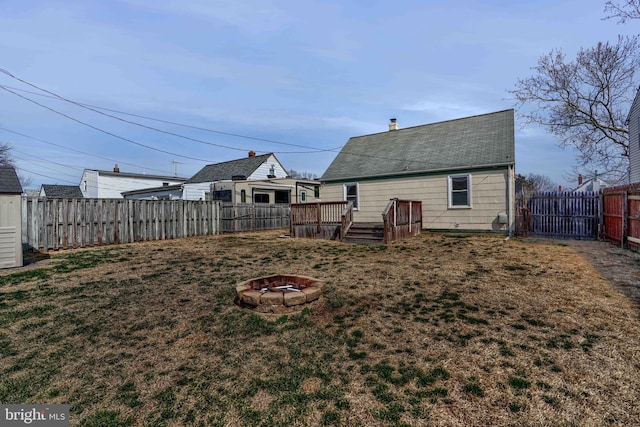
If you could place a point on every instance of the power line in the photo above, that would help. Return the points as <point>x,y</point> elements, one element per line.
<point>46,176</point>
<point>42,166</point>
<point>81,152</point>
<point>102,130</point>
<point>97,109</point>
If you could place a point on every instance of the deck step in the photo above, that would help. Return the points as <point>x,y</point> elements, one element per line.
<point>365,233</point>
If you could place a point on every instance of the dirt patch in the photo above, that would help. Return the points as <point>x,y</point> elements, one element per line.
<point>621,267</point>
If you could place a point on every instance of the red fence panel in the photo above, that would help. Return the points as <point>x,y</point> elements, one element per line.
<point>621,213</point>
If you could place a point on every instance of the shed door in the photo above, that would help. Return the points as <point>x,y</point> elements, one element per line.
<point>10,232</point>
<point>8,238</point>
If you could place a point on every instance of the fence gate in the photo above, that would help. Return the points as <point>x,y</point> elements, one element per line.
<point>567,215</point>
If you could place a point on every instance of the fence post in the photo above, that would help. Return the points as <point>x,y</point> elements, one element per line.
<point>319,214</point>
<point>25,225</point>
<point>625,216</point>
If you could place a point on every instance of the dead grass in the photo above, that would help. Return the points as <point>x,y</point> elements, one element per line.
<point>437,330</point>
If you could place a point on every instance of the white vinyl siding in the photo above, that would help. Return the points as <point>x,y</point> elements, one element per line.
<point>266,168</point>
<point>634,141</point>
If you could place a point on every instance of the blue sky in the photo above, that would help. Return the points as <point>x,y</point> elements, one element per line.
<point>304,75</point>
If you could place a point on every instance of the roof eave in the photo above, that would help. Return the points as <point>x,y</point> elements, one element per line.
<point>418,172</point>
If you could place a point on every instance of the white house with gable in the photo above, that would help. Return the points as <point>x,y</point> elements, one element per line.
<point>98,184</point>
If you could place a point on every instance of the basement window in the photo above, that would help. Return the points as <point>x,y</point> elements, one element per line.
<point>459,191</point>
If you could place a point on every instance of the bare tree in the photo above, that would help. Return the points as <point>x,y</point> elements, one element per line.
<point>624,11</point>
<point>5,155</point>
<point>532,183</point>
<point>584,102</point>
<point>302,175</point>
<point>6,159</point>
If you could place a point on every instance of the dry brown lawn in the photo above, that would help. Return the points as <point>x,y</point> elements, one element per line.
<point>441,330</point>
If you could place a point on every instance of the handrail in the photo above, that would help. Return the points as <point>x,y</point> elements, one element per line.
<point>347,219</point>
<point>388,228</point>
<point>398,218</point>
<point>385,212</point>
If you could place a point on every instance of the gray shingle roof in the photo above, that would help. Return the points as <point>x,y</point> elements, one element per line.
<point>70,191</point>
<point>9,182</point>
<point>227,170</point>
<point>470,142</point>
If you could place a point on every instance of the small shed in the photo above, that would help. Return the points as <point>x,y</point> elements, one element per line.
<point>10,218</point>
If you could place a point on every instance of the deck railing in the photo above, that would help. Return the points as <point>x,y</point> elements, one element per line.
<point>327,220</point>
<point>402,218</point>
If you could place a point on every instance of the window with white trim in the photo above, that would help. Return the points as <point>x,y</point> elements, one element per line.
<point>351,193</point>
<point>460,191</point>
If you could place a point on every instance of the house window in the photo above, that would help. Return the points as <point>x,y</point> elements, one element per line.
<point>351,194</point>
<point>243,196</point>
<point>261,198</point>
<point>460,191</point>
<point>222,195</point>
<point>303,196</point>
<point>316,191</point>
<point>282,197</point>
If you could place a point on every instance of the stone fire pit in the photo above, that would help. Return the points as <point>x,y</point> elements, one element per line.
<point>280,293</point>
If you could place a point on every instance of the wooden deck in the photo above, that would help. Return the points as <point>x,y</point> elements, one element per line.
<point>334,220</point>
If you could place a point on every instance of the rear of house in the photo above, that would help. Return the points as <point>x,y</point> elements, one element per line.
<point>462,170</point>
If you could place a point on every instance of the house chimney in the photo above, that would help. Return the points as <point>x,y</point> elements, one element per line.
<point>393,125</point>
<point>252,153</point>
<point>579,179</point>
<point>116,169</point>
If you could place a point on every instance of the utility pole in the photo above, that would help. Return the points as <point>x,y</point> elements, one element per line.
<point>175,167</point>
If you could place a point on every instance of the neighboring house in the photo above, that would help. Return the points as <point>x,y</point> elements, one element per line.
<point>253,179</point>
<point>633,121</point>
<point>166,192</point>
<point>97,184</point>
<point>462,170</point>
<point>10,218</point>
<point>591,184</point>
<point>61,191</point>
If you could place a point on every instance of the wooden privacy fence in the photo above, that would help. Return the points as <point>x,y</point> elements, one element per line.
<point>566,215</point>
<point>622,215</point>
<point>51,224</point>
<point>402,219</point>
<point>254,217</point>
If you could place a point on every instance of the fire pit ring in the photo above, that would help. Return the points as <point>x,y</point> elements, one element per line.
<point>279,293</point>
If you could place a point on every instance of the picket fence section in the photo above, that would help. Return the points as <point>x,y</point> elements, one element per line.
<point>52,224</point>
<point>622,215</point>
<point>565,215</point>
